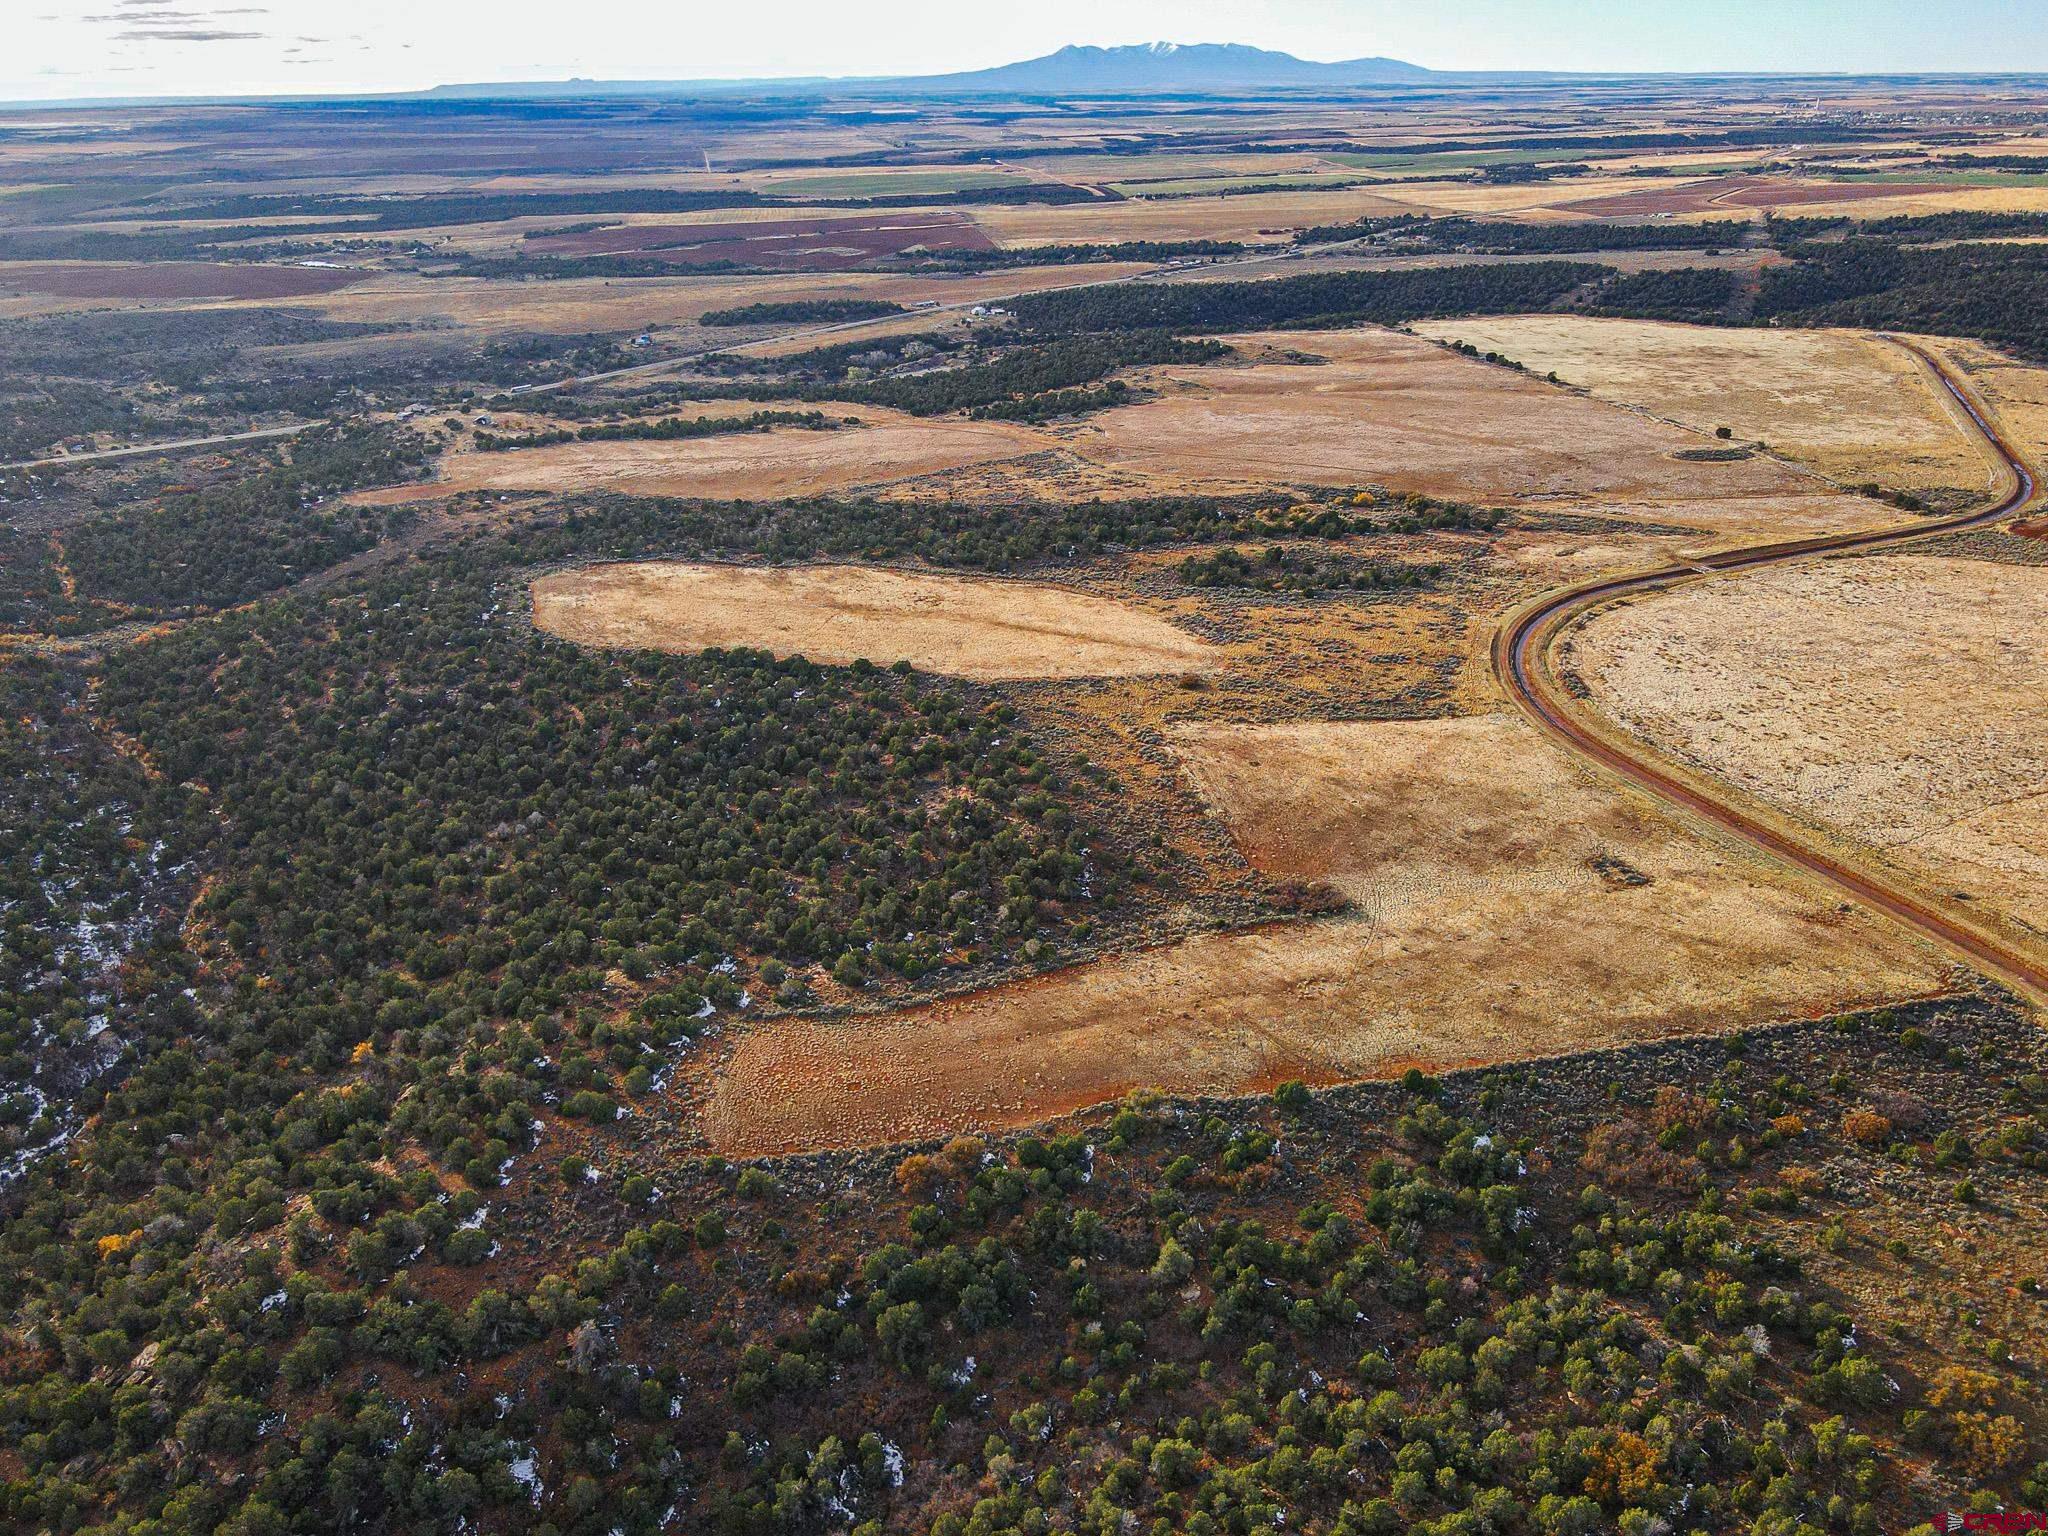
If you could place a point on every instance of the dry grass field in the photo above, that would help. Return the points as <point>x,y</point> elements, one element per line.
<point>1854,407</point>
<point>1391,409</point>
<point>1507,906</point>
<point>1894,699</point>
<point>787,461</point>
<point>2016,391</point>
<point>963,626</point>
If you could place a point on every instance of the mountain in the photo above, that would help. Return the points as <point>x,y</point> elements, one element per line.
<point>1135,69</point>
<point>1176,67</point>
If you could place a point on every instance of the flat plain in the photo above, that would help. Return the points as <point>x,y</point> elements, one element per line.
<point>1896,699</point>
<point>954,625</point>
<point>1853,406</point>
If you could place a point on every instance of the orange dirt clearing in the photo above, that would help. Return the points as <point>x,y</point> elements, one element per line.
<point>1507,906</point>
<point>962,625</point>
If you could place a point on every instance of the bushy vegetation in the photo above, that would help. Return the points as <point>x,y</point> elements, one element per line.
<point>1509,1303</point>
<point>1305,573</point>
<point>34,596</point>
<point>1697,294</point>
<point>85,875</point>
<point>1009,378</point>
<point>1324,299</point>
<point>1500,237</point>
<point>459,881</point>
<point>969,535</point>
<point>668,428</point>
<point>223,545</point>
<point>802,312</point>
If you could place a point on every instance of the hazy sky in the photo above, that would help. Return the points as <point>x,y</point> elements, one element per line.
<point>59,48</point>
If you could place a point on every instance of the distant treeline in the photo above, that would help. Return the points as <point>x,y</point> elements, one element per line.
<point>1224,142</point>
<point>1495,237</point>
<point>1318,300</point>
<point>802,312</point>
<point>1063,255</point>
<point>357,214</point>
<point>671,427</point>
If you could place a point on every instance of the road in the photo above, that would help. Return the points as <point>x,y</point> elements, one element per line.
<point>1521,653</point>
<point>667,364</point>
<point>840,327</point>
<point>177,445</point>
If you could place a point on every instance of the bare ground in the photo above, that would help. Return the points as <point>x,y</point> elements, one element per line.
<point>962,625</point>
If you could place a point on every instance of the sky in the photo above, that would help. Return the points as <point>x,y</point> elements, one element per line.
<point>54,49</point>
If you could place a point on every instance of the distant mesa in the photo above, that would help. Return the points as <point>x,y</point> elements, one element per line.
<point>1178,67</point>
<point>1138,68</point>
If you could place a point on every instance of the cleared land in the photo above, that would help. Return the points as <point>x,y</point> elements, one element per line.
<point>1396,410</point>
<point>1854,407</point>
<point>825,245</point>
<point>784,462</point>
<point>1507,906</point>
<point>961,625</point>
<point>1896,699</point>
<point>171,280</point>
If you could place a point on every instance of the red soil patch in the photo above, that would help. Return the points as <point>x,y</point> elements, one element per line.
<point>2029,528</point>
<point>172,280</point>
<point>1744,192</point>
<point>801,245</point>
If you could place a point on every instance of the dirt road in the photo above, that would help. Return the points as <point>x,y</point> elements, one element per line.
<point>1522,661</point>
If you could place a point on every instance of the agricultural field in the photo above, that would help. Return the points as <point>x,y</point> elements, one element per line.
<point>827,812</point>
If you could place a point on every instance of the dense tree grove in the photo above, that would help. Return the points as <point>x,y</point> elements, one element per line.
<point>1697,294</point>
<point>87,877</point>
<point>1499,236</point>
<point>34,596</point>
<point>1016,380</point>
<point>967,535</point>
<point>453,880</point>
<point>666,429</point>
<point>221,546</point>
<point>1513,1304</point>
<point>801,312</point>
<point>1306,573</point>
<point>1320,300</point>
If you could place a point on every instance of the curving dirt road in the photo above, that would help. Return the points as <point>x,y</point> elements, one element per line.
<point>1521,660</point>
